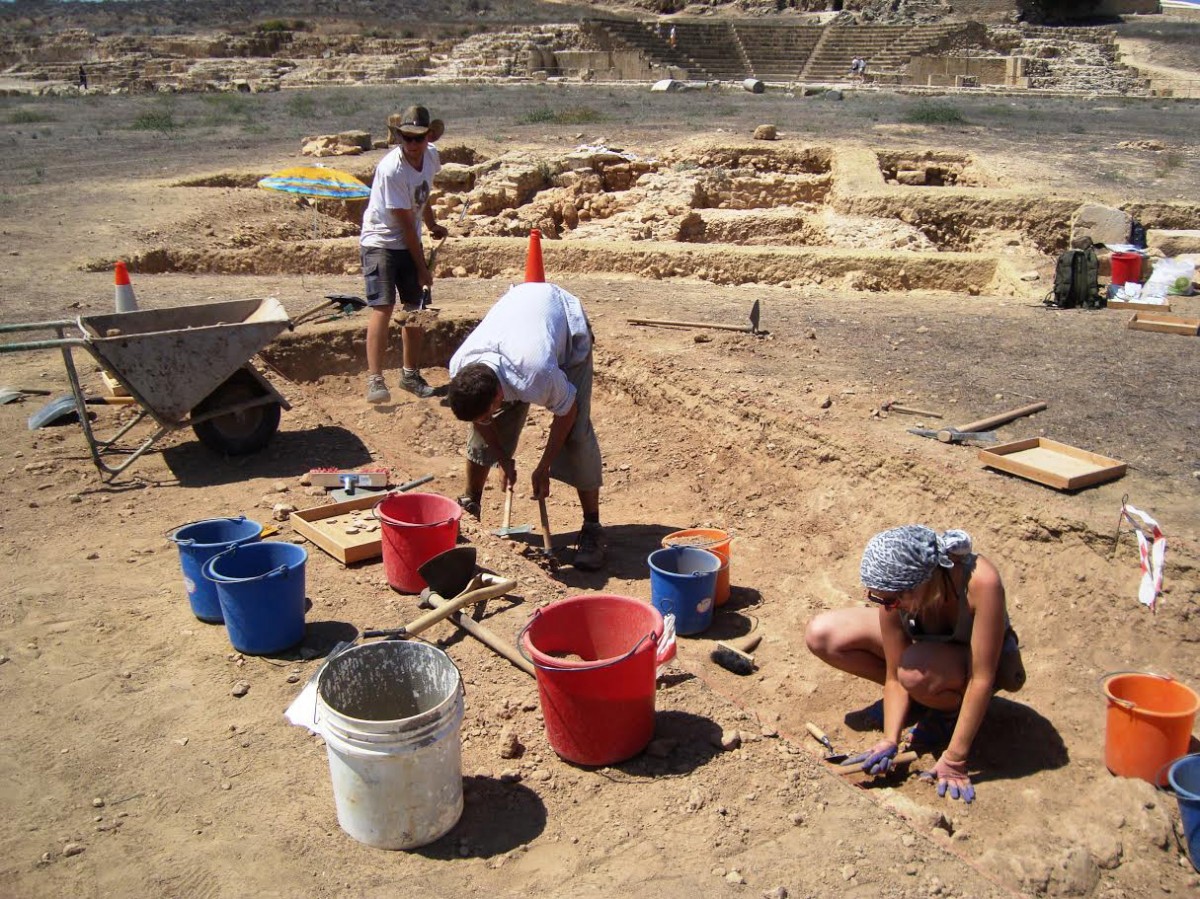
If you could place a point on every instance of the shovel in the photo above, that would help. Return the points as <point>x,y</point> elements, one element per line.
<point>506,530</point>
<point>449,572</point>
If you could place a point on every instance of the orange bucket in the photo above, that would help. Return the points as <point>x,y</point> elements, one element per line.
<point>714,541</point>
<point>1149,724</point>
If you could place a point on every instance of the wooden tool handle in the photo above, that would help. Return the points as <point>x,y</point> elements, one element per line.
<point>508,495</point>
<point>676,324</point>
<point>903,758</point>
<point>450,606</point>
<point>487,638</point>
<point>909,410</point>
<point>546,541</point>
<point>817,733</point>
<point>986,424</point>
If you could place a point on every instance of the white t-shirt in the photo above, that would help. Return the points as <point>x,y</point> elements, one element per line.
<point>532,333</point>
<point>397,185</point>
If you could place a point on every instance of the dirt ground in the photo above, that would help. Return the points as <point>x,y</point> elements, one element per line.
<point>130,768</point>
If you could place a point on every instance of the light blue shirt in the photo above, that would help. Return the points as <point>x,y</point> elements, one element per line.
<point>528,338</point>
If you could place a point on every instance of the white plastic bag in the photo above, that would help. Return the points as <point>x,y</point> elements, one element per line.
<point>1171,277</point>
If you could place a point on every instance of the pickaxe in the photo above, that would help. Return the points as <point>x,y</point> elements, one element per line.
<point>978,430</point>
<point>755,312</point>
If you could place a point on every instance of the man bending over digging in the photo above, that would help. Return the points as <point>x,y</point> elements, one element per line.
<point>533,346</point>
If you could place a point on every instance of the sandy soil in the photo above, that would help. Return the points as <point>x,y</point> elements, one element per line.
<point>129,767</point>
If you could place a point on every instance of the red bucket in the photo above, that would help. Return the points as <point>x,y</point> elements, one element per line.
<point>415,528</point>
<point>1126,267</point>
<point>596,658</point>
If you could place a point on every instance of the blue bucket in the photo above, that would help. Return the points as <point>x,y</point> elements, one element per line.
<point>200,541</point>
<point>683,582</point>
<point>261,588</point>
<point>1184,777</point>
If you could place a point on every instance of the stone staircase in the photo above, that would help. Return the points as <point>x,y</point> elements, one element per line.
<point>886,48</point>
<point>715,48</point>
<point>776,53</point>
<point>770,51</point>
<point>650,38</point>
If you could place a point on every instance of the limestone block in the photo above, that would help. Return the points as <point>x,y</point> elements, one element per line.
<point>454,176</point>
<point>1103,224</point>
<point>360,139</point>
<point>1173,243</point>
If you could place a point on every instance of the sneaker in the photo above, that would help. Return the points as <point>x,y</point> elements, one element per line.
<point>377,391</point>
<point>933,730</point>
<point>591,548</point>
<point>416,385</point>
<point>470,506</point>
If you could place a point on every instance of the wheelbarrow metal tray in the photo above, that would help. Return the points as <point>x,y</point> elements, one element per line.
<point>171,359</point>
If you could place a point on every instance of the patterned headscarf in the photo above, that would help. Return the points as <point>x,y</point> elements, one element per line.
<point>901,558</point>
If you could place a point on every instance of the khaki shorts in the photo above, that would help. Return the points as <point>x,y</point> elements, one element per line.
<point>578,463</point>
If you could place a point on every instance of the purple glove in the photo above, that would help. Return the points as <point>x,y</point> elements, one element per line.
<point>879,760</point>
<point>951,778</point>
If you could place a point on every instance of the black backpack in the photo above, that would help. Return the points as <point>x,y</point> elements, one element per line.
<point>1076,280</point>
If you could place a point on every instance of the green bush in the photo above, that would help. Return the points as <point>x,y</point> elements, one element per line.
<point>302,106</point>
<point>575,115</point>
<point>227,108</point>
<point>29,116</point>
<point>927,113</point>
<point>162,120</point>
<point>282,25</point>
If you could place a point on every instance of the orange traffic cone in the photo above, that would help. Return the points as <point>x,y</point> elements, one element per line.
<point>126,301</point>
<point>534,272</point>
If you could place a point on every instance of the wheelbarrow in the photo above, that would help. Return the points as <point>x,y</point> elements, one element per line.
<point>185,367</point>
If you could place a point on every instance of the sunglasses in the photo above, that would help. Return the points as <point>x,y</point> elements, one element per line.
<point>413,138</point>
<point>888,602</point>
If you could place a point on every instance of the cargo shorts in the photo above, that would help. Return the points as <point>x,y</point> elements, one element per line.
<point>390,272</point>
<point>578,462</point>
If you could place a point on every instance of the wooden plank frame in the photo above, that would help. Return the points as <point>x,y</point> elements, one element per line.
<point>314,524</point>
<point>1167,324</point>
<point>1139,307</point>
<point>1054,464</point>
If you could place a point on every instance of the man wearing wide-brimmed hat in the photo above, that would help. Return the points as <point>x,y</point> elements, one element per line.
<point>393,259</point>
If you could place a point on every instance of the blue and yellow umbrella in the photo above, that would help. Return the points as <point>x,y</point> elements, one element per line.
<point>315,181</point>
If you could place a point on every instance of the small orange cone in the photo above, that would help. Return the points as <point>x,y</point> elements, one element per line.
<point>534,272</point>
<point>126,301</point>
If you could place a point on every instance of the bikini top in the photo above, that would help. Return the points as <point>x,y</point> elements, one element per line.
<point>911,625</point>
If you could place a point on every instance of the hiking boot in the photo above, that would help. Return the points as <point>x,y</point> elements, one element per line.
<point>377,391</point>
<point>470,506</point>
<point>416,385</point>
<point>591,548</point>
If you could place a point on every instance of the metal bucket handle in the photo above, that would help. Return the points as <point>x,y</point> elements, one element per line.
<point>607,664</point>
<point>170,535</point>
<point>208,572</point>
<point>1125,703</point>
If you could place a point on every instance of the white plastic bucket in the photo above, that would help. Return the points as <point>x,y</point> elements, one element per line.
<point>390,713</point>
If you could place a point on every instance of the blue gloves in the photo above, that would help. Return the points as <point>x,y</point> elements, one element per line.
<point>879,759</point>
<point>952,778</point>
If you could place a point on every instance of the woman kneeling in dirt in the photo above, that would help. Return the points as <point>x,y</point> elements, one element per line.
<point>939,639</point>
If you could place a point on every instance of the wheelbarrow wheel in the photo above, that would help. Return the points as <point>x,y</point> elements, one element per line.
<point>238,433</point>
